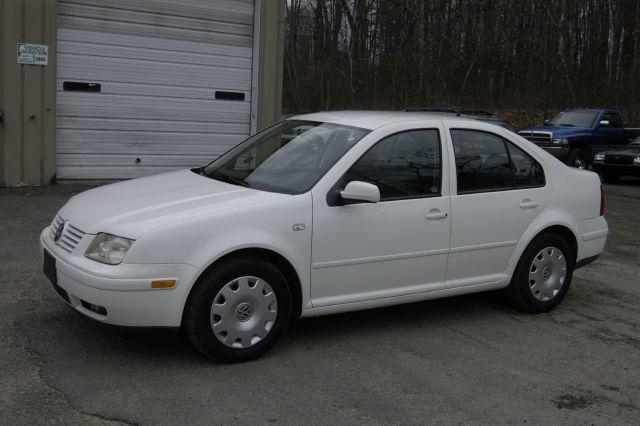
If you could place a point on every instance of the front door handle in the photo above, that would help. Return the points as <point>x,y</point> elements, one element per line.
<point>528,204</point>
<point>436,214</point>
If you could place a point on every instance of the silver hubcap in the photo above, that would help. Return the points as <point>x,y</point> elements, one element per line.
<point>580,163</point>
<point>243,312</point>
<point>547,273</point>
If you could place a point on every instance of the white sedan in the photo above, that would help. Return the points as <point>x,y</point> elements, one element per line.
<point>325,213</point>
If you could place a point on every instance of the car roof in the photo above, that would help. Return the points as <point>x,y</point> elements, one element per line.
<point>374,119</point>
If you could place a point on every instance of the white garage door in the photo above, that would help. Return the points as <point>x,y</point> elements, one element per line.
<point>146,86</point>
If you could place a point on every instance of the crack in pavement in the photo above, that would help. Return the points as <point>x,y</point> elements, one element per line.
<point>61,394</point>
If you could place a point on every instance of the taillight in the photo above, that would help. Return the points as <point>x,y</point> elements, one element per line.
<point>601,201</point>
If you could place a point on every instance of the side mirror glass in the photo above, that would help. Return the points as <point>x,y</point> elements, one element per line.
<point>604,123</point>
<point>360,191</point>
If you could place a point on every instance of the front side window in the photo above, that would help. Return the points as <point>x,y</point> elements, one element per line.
<point>404,165</point>
<point>289,157</point>
<point>611,118</point>
<point>486,162</point>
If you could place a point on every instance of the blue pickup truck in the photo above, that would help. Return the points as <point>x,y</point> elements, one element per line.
<point>576,135</point>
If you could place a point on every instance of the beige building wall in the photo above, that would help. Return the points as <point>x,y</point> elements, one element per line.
<point>271,62</point>
<point>28,92</point>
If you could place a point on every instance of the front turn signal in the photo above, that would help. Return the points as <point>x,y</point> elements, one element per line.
<point>163,283</point>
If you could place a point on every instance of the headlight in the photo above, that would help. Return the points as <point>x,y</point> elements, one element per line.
<point>636,160</point>
<point>598,157</point>
<point>109,249</point>
<point>561,141</point>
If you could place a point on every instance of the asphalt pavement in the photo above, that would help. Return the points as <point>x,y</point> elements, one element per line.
<point>469,359</point>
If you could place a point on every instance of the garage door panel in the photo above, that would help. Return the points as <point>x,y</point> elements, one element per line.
<point>153,108</point>
<point>152,54</point>
<point>162,45</point>
<point>222,10</point>
<point>105,172</point>
<point>101,69</point>
<point>129,89</point>
<point>155,19</point>
<point>144,30</point>
<point>165,143</point>
<point>149,160</point>
<point>172,126</point>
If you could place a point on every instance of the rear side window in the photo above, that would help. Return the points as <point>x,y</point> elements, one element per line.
<point>404,165</point>
<point>487,162</point>
<point>528,172</point>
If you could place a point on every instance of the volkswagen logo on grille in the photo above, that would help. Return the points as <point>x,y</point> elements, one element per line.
<point>58,233</point>
<point>244,312</point>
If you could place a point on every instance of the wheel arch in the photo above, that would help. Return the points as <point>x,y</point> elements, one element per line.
<point>557,227</point>
<point>279,261</point>
<point>564,232</point>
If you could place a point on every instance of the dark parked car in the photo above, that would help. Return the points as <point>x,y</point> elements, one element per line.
<point>487,117</point>
<point>575,135</point>
<point>614,164</point>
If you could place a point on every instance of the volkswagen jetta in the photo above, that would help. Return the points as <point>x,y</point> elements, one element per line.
<point>325,213</point>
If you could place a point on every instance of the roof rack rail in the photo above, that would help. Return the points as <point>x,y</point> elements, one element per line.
<point>424,109</point>
<point>451,110</point>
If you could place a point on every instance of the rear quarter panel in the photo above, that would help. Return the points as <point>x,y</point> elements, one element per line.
<point>575,200</point>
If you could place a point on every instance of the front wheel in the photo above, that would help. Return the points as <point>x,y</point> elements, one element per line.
<point>543,275</point>
<point>579,158</point>
<point>238,309</point>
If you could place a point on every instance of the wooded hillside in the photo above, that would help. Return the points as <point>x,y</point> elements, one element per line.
<point>497,55</point>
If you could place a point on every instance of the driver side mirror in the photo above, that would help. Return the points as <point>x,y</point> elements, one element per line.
<point>360,191</point>
<point>547,122</point>
<point>604,123</point>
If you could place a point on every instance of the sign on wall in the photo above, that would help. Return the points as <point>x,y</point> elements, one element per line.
<point>33,54</point>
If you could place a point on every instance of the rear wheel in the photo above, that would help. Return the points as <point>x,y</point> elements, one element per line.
<point>579,158</point>
<point>238,309</point>
<point>543,275</point>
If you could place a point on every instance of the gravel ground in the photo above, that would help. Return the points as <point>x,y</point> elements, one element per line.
<point>464,359</point>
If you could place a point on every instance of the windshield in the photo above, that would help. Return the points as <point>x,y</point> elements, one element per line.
<point>574,119</point>
<point>289,157</point>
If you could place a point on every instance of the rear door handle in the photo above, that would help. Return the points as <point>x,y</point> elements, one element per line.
<point>528,204</point>
<point>436,214</point>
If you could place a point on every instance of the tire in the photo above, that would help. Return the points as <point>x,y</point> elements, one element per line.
<point>542,276</point>
<point>579,158</point>
<point>243,316</point>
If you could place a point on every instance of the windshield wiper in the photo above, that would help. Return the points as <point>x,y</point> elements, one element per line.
<point>567,125</point>
<point>232,180</point>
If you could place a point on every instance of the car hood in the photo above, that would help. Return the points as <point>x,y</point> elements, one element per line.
<point>557,130</point>
<point>625,151</point>
<point>133,207</point>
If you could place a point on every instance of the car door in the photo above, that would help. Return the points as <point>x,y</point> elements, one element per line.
<point>611,135</point>
<point>499,190</point>
<point>397,246</point>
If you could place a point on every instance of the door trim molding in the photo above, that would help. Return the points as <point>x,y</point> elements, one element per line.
<point>347,262</point>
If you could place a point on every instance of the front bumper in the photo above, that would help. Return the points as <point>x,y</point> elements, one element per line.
<point>560,152</point>
<point>124,290</point>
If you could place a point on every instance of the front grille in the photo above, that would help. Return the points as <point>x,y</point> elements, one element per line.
<point>70,236</point>
<point>537,137</point>
<point>618,159</point>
